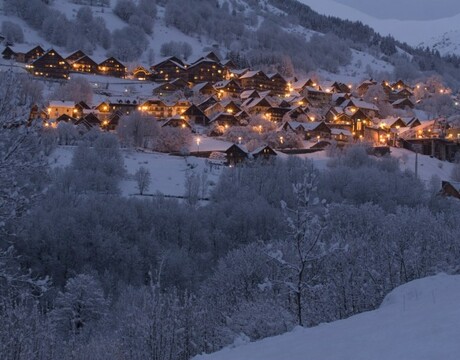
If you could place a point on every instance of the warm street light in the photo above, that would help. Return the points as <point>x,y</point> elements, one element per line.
<point>281,140</point>
<point>198,141</point>
<point>239,140</point>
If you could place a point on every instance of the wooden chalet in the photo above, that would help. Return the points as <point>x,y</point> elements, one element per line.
<point>308,130</point>
<point>194,114</point>
<point>125,106</point>
<point>169,69</point>
<point>66,118</point>
<point>317,97</point>
<point>255,80</point>
<point>22,53</point>
<point>207,103</point>
<point>224,119</point>
<point>403,104</point>
<point>227,88</point>
<point>276,113</point>
<point>177,122</point>
<point>364,86</point>
<point>165,89</point>
<point>257,106</point>
<point>85,65</point>
<point>206,70</point>
<point>74,56</point>
<point>51,65</point>
<point>112,67</point>
<point>278,84</point>
<point>204,88</point>
<point>156,108</point>
<point>340,88</point>
<point>231,107</point>
<point>341,135</point>
<point>236,154</point>
<point>264,153</point>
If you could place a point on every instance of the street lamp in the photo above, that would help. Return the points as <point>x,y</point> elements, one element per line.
<point>198,140</point>
<point>281,140</point>
<point>239,140</point>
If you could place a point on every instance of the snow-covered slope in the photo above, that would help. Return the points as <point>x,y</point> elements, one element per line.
<point>417,321</point>
<point>427,32</point>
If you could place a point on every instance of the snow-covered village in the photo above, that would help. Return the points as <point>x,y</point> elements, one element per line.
<point>229,179</point>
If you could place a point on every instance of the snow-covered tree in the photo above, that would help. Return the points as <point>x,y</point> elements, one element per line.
<point>81,303</point>
<point>143,179</point>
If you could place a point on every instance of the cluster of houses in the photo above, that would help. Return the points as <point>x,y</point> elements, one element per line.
<point>51,64</point>
<point>214,95</point>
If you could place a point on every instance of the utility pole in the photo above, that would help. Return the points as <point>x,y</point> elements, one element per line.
<point>416,163</point>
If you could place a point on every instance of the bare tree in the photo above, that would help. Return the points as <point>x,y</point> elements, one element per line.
<point>143,179</point>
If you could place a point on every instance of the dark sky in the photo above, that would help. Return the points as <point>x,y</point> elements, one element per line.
<point>406,9</point>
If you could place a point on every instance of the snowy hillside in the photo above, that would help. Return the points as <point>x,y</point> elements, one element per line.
<point>444,32</point>
<point>417,321</point>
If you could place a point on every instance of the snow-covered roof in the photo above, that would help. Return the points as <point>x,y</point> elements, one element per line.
<point>338,131</point>
<point>59,103</point>
<point>21,48</point>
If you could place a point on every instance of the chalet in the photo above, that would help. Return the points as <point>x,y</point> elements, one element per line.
<point>156,108</point>
<point>141,73</point>
<point>317,97</point>
<point>180,84</point>
<point>206,70</point>
<point>224,119</point>
<point>301,85</point>
<point>296,112</point>
<point>403,104</point>
<point>57,108</point>
<point>204,88</point>
<point>22,53</point>
<point>168,69</point>
<point>112,67</point>
<point>242,117</point>
<point>75,56</point>
<point>249,94</point>
<point>411,121</point>
<point>257,106</point>
<point>276,113</point>
<point>392,123</point>
<point>125,106</point>
<point>364,86</point>
<point>207,103</point>
<point>177,122</point>
<point>450,189</point>
<point>51,65</point>
<point>227,88</point>
<point>279,85</point>
<point>256,80</point>
<point>231,107</point>
<point>213,109</point>
<point>84,64</point>
<point>91,119</point>
<point>66,118</point>
<point>263,153</point>
<point>309,130</point>
<point>165,89</point>
<point>341,135</point>
<point>370,110</point>
<point>194,114</point>
<point>340,88</point>
<point>236,154</point>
